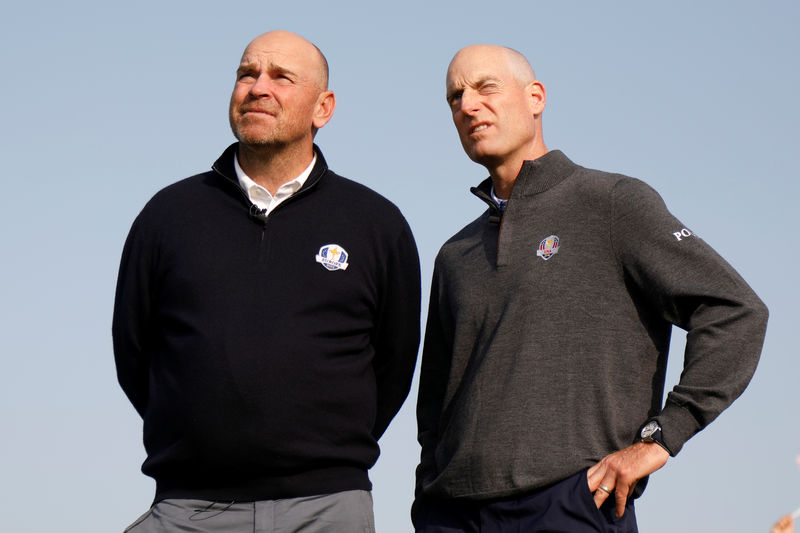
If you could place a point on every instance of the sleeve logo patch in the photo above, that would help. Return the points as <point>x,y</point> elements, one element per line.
<point>548,247</point>
<point>682,234</point>
<point>333,257</point>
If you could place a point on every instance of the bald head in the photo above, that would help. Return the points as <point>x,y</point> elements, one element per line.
<point>280,97</point>
<point>492,56</point>
<point>287,43</point>
<point>497,106</point>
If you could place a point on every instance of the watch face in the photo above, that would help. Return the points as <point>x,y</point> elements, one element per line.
<point>649,429</point>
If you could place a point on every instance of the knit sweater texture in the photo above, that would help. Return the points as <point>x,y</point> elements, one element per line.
<point>549,327</point>
<point>265,355</point>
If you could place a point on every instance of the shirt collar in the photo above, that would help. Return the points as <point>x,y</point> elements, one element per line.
<point>499,201</point>
<point>284,191</point>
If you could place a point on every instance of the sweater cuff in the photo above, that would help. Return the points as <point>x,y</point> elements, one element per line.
<point>677,426</point>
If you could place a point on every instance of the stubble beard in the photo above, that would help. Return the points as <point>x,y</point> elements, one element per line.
<point>255,135</point>
<point>273,138</point>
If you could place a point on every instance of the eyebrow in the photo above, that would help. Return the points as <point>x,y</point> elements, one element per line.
<point>281,70</point>
<point>484,79</point>
<point>246,66</point>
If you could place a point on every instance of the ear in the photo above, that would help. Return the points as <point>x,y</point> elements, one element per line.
<point>323,109</point>
<point>537,97</point>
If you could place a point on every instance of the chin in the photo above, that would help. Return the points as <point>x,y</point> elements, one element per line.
<point>478,155</point>
<point>253,136</point>
<point>486,159</point>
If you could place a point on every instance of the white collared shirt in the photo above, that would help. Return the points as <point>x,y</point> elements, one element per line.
<point>499,201</point>
<point>261,197</point>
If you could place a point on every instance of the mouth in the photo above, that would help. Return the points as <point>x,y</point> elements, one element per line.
<point>256,111</point>
<point>481,126</point>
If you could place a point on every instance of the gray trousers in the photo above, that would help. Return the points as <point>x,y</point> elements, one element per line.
<point>342,512</point>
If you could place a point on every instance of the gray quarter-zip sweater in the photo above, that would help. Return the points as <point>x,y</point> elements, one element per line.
<point>548,332</point>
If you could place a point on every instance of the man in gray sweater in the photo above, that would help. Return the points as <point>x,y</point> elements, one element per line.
<point>540,404</point>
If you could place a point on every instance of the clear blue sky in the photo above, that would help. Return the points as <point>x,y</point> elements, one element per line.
<point>104,103</point>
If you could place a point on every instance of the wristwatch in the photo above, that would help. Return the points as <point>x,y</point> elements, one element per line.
<point>651,432</point>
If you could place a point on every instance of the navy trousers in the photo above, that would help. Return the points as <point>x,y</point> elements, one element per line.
<point>565,507</point>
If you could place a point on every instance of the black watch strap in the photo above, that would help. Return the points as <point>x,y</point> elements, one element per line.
<point>651,432</point>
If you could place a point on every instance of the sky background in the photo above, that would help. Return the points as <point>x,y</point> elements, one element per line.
<point>104,103</point>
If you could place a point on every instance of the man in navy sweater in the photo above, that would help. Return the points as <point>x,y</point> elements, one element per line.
<point>266,320</point>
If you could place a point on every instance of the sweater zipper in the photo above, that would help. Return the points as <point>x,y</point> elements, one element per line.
<point>264,221</point>
<point>496,216</point>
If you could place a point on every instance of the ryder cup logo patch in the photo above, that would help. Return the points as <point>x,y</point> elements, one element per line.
<point>333,257</point>
<point>548,247</point>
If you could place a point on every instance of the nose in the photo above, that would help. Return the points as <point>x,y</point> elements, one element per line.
<point>469,102</point>
<point>262,86</point>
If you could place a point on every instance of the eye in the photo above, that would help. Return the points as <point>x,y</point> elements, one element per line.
<point>454,97</point>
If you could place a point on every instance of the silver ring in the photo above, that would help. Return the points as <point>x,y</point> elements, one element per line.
<point>604,489</point>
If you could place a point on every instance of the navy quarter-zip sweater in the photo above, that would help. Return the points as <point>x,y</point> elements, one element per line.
<point>261,372</point>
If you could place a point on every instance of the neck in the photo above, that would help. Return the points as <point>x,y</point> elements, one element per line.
<point>272,166</point>
<point>504,173</point>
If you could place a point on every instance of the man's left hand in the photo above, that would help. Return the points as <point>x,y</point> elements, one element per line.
<point>619,472</point>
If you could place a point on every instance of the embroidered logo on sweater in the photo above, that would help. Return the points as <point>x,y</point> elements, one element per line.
<point>548,247</point>
<point>333,257</point>
<point>682,234</point>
